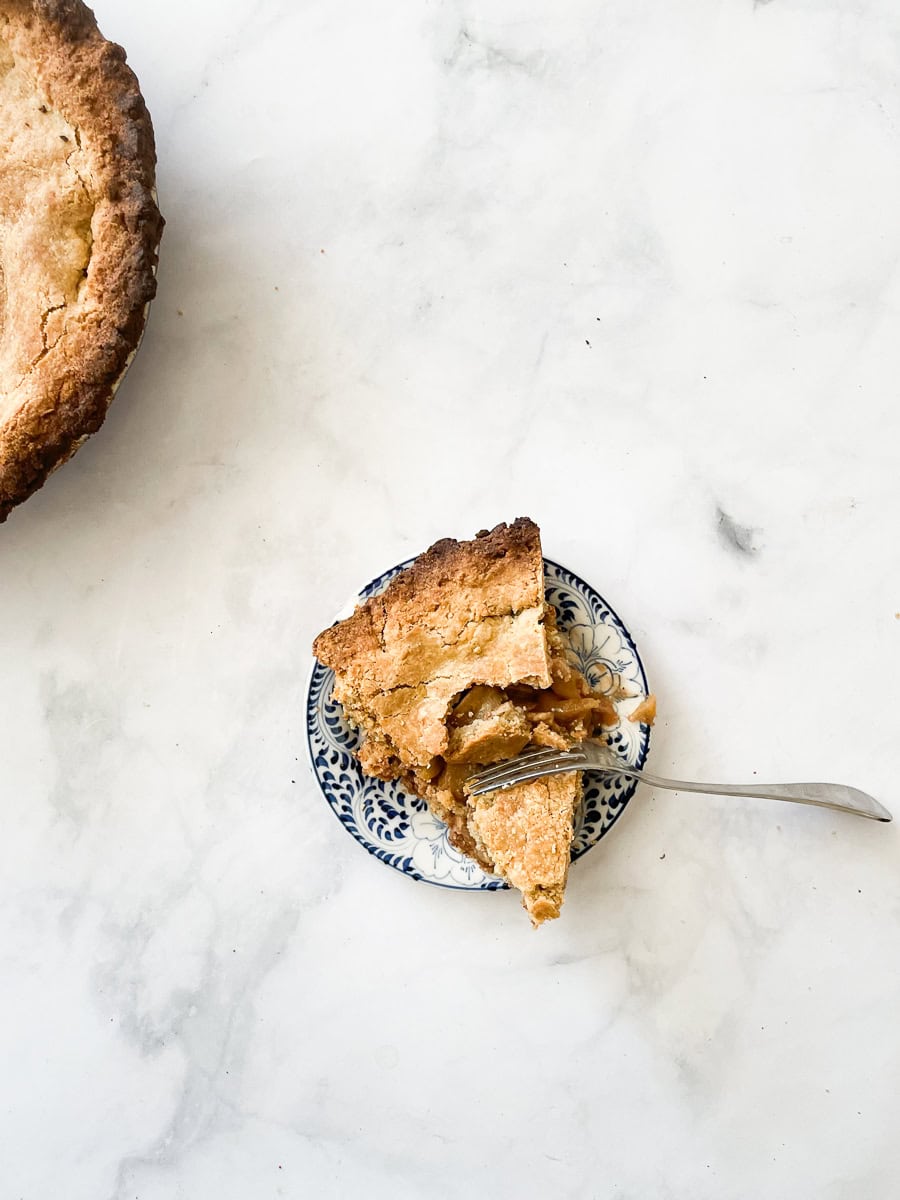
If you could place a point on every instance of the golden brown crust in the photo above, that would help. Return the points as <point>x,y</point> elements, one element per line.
<point>505,561</point>
<point>65,394</point>
<point>457,664</point>
<point>503,733</point>
<point>464,613</point>
<point>526,833</point>
<point>645,712</point>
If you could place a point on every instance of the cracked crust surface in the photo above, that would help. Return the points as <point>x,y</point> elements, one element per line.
<point>424,668</point>
<point>79,232</point>
<point>526,832</point>
<point>464,613</point>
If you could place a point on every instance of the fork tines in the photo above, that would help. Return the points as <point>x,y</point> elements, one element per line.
<point>530,765</point>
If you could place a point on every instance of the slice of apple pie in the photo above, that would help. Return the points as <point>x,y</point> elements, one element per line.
<point>458,664</point>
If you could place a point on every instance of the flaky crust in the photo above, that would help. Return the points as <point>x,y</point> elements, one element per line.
<point>506,559</point>
<point>423,670</point>
<point>65,397</point>
<point>464,613</point>
<point>525,832</point>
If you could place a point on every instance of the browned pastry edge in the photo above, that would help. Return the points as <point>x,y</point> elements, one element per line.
<point>88,82</point>
<point>424,580</point>
<point>524,834</point>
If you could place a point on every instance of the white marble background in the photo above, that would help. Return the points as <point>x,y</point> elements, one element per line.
<point>632,269</point>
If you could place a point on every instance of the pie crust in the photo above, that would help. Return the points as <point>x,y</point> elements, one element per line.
<point>457,664</point>
<point>79,233</point>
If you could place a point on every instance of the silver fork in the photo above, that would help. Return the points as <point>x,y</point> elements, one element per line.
<point>594,756</point>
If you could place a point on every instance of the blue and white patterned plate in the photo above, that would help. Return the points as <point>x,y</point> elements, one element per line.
<point>398,828</point>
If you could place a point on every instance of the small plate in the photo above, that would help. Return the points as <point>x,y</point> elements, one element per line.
<point>398,828</point>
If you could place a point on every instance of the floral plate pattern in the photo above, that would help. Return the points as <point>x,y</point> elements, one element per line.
<point>398,828</point>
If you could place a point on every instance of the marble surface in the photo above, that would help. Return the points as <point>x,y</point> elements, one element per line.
<point>628,268</point>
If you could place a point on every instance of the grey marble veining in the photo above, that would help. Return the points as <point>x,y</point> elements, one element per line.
<point>630,269</point>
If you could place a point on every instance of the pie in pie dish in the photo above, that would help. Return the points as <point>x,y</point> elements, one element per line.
<point>459,664</point>
<point>79,233</point>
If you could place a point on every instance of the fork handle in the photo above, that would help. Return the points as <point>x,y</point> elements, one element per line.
<point>823,795</point>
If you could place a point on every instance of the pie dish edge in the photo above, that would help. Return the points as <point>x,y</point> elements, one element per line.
<point>90,84</point>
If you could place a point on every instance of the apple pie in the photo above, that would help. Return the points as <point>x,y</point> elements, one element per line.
<point>79,233</point>
<point>459,664</point>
